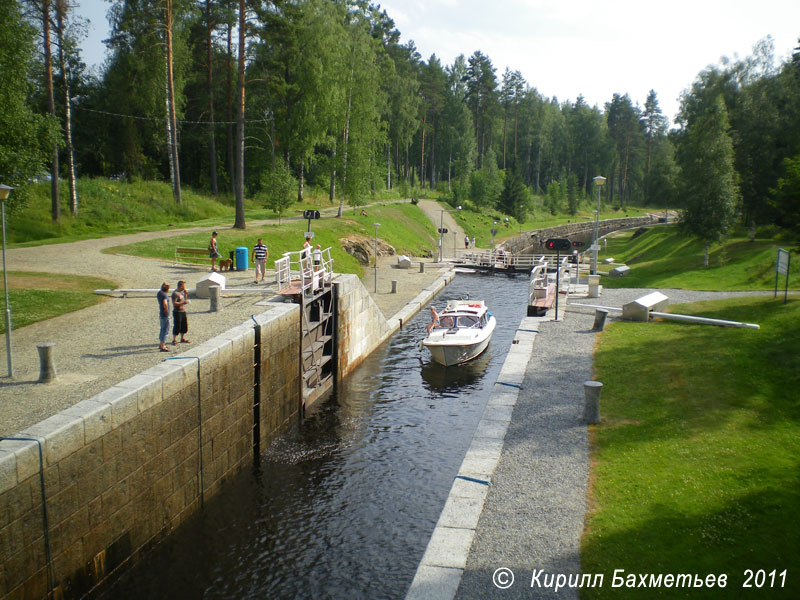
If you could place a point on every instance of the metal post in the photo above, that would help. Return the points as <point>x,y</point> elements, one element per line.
<point>441,236</point>
<point>8,304</point>
<point>376,225</point>
<point>596,228</point>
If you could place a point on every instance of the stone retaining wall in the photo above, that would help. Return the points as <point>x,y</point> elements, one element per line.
<point>125,467</point>
<point>532,242</point>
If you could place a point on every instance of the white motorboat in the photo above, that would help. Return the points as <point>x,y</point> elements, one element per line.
<point>462,332</point>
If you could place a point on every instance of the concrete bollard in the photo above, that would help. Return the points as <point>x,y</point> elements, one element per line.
<point>214,294</point>
<point>421,267</point>
<point>600,315</point>
<point>394,286</point>
<point>594,286</point>
<point>47,366</point>
<point>591,401</point>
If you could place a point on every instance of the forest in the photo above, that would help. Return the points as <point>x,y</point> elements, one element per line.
<point>269,100</point>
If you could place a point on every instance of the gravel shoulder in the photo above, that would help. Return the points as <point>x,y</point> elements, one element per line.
<point>533,518</point>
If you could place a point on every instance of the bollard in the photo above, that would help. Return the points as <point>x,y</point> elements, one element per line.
<point>394,286</point>
<point>600,315</point>
<point>213,290</point>
<point>591,401</point>
<point>47,367</point>
<point>594,286</point>
<point>421,267</point>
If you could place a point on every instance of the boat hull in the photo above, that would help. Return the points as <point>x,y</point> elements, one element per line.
<point>457,350</point>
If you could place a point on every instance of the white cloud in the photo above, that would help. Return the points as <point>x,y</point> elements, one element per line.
<point>566,48</point>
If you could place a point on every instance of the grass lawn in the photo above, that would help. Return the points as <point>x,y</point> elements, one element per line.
<point>403,225</point>
<point>664,257</point>
<point>38,296</point>
<point>696,466</point>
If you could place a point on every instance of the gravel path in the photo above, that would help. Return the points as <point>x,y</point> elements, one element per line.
<point>97,347</point>
<point>534,515</point>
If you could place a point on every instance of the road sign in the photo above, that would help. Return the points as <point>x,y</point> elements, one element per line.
<point>311,214</point>
<point>595,247</point>
<point>782,268</point>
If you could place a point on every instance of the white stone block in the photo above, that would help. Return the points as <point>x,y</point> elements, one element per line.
<point>62,435</point>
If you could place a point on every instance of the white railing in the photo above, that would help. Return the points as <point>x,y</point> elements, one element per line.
<point>309,269</point>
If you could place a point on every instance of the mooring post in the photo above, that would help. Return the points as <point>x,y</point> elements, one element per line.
<point>421,267</point>
<point>47,367</point>
<point>600,315</point>
<point>394,286</point>
<point>594,286</point>
<point>215,306</point>
<point>591,401</point>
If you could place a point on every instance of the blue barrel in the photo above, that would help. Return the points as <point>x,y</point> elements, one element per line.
<point>241,258</point>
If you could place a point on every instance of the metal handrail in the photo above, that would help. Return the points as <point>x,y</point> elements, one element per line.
<point>299,266</point>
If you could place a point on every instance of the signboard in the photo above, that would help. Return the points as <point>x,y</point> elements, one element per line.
<point>595,247</point>
<point>782,268</point>
<point>783,262</point>
<point>311,214</point>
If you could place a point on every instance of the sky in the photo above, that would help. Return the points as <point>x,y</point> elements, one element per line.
<point>565,48</point>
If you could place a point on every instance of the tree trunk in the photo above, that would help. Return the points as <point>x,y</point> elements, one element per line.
<point>422,154</point>
<point>239,222</point>
<point>346,139</point>
<point>301,181</point>
<point>705,255</point>
<point>229,129</point>
<point>55,207</point>
<point>173,142</point>
<point>212,145</point>
<point>388,166</point>
<point>61,10</point>
<point>332,194</point>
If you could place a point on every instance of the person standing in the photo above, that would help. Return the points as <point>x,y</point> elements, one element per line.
<point>472,243</point>
<point>180,325</point>
<point>260,254</point>
<point>466,242</point>
<point>213,253</point>
<point>317,254</point>
<point>163,316</point>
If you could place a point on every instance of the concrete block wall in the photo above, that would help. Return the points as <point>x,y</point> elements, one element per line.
<point>360,323</point>
<point>123,468</point>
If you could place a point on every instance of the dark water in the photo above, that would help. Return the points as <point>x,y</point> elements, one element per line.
<point>344,506</point>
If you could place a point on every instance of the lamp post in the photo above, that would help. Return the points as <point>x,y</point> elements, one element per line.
<point>376,225</point>
<point>441,230</point>
<point>494,233</point>
<point>4,192</point>
<point>598,182</point>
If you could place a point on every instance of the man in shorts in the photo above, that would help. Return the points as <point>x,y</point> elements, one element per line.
<point>260,254</point>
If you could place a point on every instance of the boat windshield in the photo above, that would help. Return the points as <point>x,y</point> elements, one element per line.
<point>464,321</point>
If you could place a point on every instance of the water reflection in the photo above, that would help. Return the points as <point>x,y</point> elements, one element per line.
<point>344,505</point>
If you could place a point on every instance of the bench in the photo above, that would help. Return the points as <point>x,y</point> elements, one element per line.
<point>191,254</point>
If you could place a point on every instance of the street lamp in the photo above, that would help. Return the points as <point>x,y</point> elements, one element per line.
<point>598,182</point>
<point>441,230</point>
<point>494,233</point>
<point>4,192</point>
<point>376,225</point>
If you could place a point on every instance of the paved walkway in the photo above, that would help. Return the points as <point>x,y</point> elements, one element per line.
<point>97,347</point>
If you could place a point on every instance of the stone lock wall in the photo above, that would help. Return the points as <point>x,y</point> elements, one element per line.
<point>125,467</point>
<point>533,241</point>
<point>361,326</point>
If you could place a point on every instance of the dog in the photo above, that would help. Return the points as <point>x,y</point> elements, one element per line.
<point>225,264</point>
